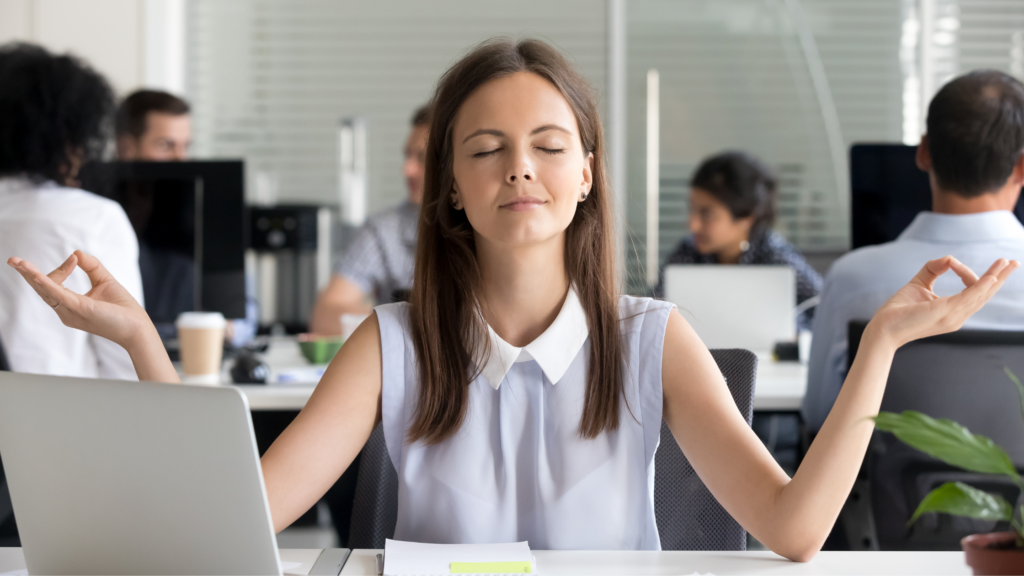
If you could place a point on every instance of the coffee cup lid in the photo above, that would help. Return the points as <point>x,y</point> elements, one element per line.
<point>200,320</point>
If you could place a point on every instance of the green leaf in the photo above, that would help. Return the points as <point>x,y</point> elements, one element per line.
<point>948,441</point>
<point>960,499</point>
<point>1020,387</point>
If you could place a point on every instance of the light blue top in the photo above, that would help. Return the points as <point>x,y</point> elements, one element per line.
<point>861,281</point>
<point>517,469</point>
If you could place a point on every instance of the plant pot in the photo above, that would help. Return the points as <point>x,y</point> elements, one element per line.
<point>993,553</point>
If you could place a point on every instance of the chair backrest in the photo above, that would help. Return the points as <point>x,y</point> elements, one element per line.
<point>959,376</point>
<point>688,516</point>
<point>4,364</point>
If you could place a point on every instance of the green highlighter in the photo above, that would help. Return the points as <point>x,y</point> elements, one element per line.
<point>490,568</point>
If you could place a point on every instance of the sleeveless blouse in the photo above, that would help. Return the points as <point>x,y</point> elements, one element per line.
<point>517,468</point>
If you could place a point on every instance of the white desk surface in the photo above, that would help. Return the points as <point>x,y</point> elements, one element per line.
<point>641,563</point>
<point>719,563</point>
<point>12,559</point>
<point>780,385</point>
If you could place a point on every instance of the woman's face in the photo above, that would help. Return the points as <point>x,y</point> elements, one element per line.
<point>519,165</point>
<point>712,225</point>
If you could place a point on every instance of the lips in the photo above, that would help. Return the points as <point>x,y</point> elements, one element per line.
<point>522,204</point>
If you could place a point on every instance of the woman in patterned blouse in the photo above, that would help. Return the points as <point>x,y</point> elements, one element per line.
<point>732,209</point>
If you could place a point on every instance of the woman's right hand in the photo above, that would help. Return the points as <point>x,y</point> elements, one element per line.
<point>107,310</point>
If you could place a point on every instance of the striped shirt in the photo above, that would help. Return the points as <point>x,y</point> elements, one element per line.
<point>381,256</point>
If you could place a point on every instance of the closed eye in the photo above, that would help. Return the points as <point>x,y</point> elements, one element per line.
<point>485,153</point>
<point>553,151</point>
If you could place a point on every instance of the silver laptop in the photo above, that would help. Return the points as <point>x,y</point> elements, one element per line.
<point>114,477</point>
<point>747,307</point>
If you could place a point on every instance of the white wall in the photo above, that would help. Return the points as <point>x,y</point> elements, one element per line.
<point>134,43</point>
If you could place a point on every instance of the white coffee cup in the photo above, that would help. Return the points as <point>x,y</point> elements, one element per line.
<point>201,343</point>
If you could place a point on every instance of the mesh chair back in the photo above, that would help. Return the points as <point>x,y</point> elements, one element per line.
<point>375,508</point>
<point>959,376</point>
<point>688,516</point>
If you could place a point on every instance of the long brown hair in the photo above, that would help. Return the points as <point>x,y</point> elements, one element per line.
<point>449,335</point>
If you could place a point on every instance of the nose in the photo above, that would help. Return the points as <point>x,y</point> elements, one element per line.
<point>520,171</point>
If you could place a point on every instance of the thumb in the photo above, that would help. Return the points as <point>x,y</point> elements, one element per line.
<point>91,265</point>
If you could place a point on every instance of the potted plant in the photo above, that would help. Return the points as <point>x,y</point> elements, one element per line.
<point>996,553</point>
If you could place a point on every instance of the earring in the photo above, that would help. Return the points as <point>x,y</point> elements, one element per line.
<point>744,246</point>
<point>584,196</point>
<point>455,203</point>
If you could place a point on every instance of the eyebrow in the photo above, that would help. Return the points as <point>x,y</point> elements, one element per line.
<point>499,133</point>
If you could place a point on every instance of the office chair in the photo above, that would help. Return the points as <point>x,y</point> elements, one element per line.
<point>688,516</point>
<point>957,376</point>
<point>8,530</point>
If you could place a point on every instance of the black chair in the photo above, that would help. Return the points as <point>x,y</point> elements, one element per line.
<point>8,529</point>
<point>688,516</point>
<point>959,376</point>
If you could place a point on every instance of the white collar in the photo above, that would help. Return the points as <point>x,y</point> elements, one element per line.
<point>554,350</point>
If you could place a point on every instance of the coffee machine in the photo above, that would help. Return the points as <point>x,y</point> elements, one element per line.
<point>291,256</point>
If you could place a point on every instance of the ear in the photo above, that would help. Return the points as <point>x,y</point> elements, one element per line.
<point>588,175</point>
<point>126,148</point>
<point>923,157</point>
<point>454,198</point>
<point>747,224</point>
<point>1017,176</point>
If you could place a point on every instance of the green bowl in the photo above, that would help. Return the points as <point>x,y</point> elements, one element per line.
<point>319,349</point>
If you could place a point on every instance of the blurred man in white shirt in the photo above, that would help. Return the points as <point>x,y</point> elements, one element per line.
<point>972,153</point>
<point>54,109</point>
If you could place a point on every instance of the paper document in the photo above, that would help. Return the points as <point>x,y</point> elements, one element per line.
<point>415,559</point>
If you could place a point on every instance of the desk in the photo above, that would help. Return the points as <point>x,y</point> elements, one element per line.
<point>780,385</point>
<point>552,563</point>
<point>12,559</point>
<point>719,563</point>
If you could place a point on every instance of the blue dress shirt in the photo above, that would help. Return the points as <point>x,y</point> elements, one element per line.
<point>861,281</point>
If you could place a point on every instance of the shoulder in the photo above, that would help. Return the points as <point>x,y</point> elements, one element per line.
<point>77,207</point>
<point>638,314</point>
<point>773,247</point>
<point>393,320</point>
<point>855,266</point>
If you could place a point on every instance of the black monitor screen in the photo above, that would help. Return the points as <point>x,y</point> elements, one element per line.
<point>184,267</point>
<point>887,190</point>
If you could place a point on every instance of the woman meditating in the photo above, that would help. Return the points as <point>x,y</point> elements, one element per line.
<point>521,395</point>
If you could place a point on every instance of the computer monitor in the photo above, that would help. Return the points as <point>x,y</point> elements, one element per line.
<point>887,190</point>
<point>190,220</point>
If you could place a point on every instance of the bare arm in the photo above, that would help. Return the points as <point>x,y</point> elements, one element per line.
<point>107,310</point>
<point>793,516</point>
<point>341,296</point>
<point>320,444</point>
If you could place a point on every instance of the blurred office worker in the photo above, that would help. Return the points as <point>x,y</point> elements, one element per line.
<point>732,210</point>
<point>379,261</point>
<point>972,152</point>
<point>54,110</point>
<point>153,125</point>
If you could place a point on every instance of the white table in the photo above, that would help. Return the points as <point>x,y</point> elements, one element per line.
<point>780,385</point>
<point>12,559</point>
<point>597,563</point>
<point>641,563</point>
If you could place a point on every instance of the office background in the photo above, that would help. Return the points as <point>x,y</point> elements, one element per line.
<point>794,82</point>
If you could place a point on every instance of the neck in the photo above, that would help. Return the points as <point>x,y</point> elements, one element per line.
<point>949,202</point>
<point>523,288</point>
<point>731,255</point>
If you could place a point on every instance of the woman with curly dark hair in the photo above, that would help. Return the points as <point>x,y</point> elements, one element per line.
<point>56,114</point>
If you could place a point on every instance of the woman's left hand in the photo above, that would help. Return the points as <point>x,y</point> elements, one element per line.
<point>915,311</point>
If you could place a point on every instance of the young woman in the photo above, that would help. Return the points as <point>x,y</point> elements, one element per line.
<point>732,210</point>
<point>521,396</point>
<point>54,115</point>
